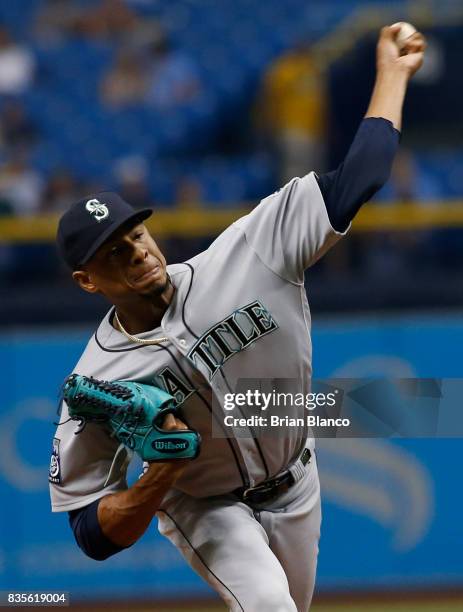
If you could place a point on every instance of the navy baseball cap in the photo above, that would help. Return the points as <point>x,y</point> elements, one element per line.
<point>90,222</point>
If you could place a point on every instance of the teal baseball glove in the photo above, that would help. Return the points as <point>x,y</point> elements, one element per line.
<point>134,412</point>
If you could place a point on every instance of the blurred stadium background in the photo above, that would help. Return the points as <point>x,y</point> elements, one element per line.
<point>201,108</point>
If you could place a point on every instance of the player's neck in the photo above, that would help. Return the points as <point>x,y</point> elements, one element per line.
<point>144,313</point>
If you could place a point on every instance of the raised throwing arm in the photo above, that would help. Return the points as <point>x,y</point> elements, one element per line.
<point>368,163</point>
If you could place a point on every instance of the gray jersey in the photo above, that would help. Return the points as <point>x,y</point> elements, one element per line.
<point>239,311</point>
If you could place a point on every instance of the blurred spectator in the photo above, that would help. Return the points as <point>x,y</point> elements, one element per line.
<point>292,112</point>
<point>20,185</point>
<point>131,173</point>
<point>56,20</point>
<point>395,253</point>
<point>16,128</point>
<point>407,182</point>
<point>61,190</point>
<point>189,193</point>
<point>125,83</point>
<point>173,77</point>
<point>403,179</point>
<point>105,20</point>
<point>110,19</point>
<point>17,65</point>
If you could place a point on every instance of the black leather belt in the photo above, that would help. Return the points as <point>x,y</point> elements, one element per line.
<point>272,488</point>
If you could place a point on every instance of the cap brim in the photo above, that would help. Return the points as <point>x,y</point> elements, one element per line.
<point>139,215</point>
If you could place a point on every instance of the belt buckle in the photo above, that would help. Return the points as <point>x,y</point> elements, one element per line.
<point>262,489</point>
<point>258,489</point>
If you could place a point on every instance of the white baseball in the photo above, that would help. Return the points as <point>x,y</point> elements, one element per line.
<point>406,30</point>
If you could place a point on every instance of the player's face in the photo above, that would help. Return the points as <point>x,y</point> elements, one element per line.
<point>129,264</point>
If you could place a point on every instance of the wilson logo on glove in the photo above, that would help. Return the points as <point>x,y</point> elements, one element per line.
<point>134,413</point>
<point>170,446</point>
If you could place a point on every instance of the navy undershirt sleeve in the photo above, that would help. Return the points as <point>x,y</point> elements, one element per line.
<point>363,172</point>
<point>89,535</point>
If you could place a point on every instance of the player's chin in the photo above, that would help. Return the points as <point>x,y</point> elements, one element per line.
<point>155,288</point>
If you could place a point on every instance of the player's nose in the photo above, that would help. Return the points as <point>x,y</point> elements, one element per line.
<point>139,254</point>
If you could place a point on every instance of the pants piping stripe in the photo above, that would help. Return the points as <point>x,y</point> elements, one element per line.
<point>200,558</point>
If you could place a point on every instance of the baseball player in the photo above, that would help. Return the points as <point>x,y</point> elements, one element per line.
<point>246,513</point>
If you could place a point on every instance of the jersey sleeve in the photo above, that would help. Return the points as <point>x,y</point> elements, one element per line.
<point>84,466</point>
<point>290,229</point>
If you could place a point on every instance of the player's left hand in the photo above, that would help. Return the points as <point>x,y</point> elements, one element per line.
<point>409,58</point>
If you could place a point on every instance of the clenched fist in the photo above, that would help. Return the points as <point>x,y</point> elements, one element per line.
<point>409,58</point>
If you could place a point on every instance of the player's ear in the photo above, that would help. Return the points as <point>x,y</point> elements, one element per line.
<point>83,279</point>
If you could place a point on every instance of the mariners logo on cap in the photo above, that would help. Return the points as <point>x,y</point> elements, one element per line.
<point>98,210</point>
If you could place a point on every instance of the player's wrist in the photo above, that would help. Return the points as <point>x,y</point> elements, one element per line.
<point>392,71</point>
<point>166,472</point>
